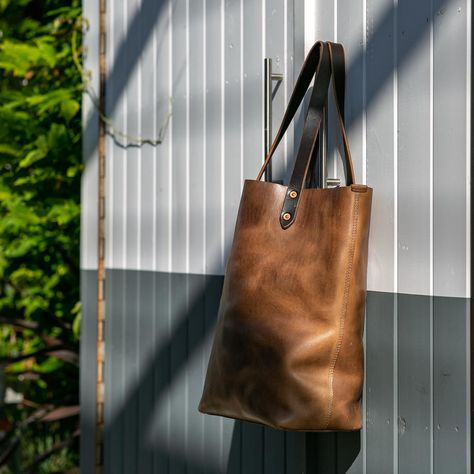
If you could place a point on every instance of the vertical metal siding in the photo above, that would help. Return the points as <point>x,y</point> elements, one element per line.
<point>171,211</point>
<point>409,117</point>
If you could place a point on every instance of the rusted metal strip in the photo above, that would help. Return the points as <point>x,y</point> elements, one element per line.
<point>101,242</point>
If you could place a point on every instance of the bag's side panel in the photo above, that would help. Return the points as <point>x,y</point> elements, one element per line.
<point>347,372</point>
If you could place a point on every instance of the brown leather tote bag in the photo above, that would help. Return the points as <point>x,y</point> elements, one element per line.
<point>288,347</point>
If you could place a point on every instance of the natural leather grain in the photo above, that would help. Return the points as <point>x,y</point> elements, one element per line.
<point>288,345</point>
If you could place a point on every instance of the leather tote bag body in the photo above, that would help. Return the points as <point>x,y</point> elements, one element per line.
<point>288,344</point>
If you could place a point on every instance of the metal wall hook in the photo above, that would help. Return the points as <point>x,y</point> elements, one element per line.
<point>324,181</point>
<point>269,77</point>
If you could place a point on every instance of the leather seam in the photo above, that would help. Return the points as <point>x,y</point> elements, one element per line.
<point>342,318</point>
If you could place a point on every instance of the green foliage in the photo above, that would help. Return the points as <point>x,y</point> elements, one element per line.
<point>40,168</point>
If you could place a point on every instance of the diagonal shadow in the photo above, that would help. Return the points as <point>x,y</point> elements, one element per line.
<point>142,26</point>
<point>134,425</point>
<point>167,358</point>
<point>127,56</point>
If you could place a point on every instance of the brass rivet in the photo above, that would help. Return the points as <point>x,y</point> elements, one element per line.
<point>293,194</point>
<point>286,216</point>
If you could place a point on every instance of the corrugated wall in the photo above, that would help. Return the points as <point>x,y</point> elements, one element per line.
<point>171,211</point>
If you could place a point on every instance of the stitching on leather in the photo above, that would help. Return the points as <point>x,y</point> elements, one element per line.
<point>344,312</point>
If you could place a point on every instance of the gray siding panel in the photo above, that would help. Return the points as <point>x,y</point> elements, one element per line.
<point>414,384</point>
<point>115,334</point>
<point>130,371</point>
<point>146,343</point>
<point>89,187</point>
<point>213,120</point>
<point>161,374</point>
<point>195,368</point>
<point>414,148</point>
<point>134,45</point>
<point>178,389</point>
<point>351,33</point>
<point>252,99</point>
<point>451,155</point>
<point>274,451</point>
<point>380,355</point>
<point>277,20</point>
<point>451,388</point>
<point>381,158</point>
<point>88,369</point>
<point>214,449</point>
<point>116,192</point>
<point>252,448</point>
<point>179,156</point>
<point>232,160</point>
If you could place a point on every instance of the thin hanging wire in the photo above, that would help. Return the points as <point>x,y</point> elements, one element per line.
<point>112,130</point>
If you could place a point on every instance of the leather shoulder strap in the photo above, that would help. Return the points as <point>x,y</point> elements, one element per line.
<point>338,69</point>
<point>310,67</point>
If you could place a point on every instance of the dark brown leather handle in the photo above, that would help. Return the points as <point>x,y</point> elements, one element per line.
<point>309,137</point>
<point>338,70</point>
<point>310,67</point>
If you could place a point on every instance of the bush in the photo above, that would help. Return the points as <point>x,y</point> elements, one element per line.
<point>40,168</point>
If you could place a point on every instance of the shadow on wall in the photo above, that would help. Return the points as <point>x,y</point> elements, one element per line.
<point>159,332</point>
<point>159,328</point>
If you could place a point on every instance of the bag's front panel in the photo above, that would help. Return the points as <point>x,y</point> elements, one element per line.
<point>279,322</point>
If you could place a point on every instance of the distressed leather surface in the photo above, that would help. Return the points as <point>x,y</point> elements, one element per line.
<point>288,346</point>
<point>288,349</point>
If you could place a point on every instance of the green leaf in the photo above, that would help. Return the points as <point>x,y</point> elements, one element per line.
<point>76,325</point>
<point>32,157</point>
<point>18,248</point>
<point>11,150</point>
<point>4,4</point>
<point>49,365</point>
<point>46,50</point>
<point>69,109</point>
